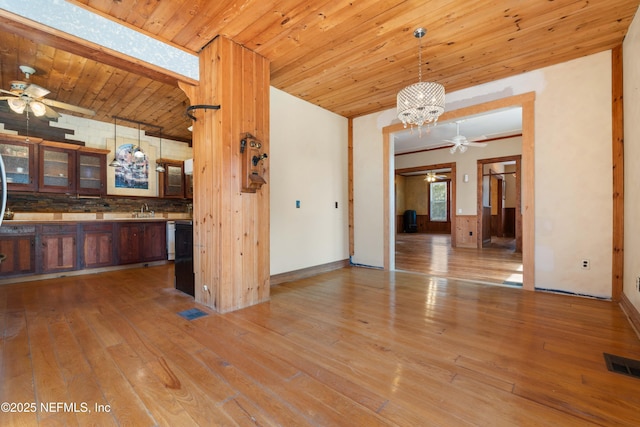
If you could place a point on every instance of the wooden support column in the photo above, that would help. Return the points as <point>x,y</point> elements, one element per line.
<point>231,227</point>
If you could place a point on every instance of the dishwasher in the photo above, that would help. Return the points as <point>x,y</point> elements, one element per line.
<point>171,240</point>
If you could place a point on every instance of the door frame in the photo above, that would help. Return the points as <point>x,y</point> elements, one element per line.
<point>527,102</point>
<point>452,193</point>
<point>481,163</point>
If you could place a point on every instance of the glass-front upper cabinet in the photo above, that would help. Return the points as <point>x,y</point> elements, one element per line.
<point>57,167</point>
<point>19,161</point>
<point>172,179</point>
<point>91,173</point>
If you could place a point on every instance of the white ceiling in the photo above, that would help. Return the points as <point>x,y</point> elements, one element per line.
<point>493,124</point>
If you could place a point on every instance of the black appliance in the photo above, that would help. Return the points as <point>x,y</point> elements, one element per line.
<point>185,280</point>
<point>410,221</point>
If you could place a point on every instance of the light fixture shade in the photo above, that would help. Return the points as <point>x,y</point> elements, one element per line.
<point>115,163</point>
<point>38,108</point>
<point>138,153</point>
<point>160,168</point>
<point>420,103</point>
<point>17,105</point>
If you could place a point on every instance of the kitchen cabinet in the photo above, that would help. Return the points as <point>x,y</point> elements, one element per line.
<point>57,169</point>
<point>142,242</point>
<point>97,245</point>
<point>17,243</point>
<point>19,160</point>
<point>154,245</point>
<point>129,242</point>
<point>91,172</point>
<point>58,250</point>
<point>172,179</point>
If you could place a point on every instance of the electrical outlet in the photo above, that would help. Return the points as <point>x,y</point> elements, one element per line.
<point>585,264</point>
<point>638,283</point>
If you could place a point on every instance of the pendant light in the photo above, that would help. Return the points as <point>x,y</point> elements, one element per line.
<point>137,151</point>
<point>115,163</point>
<point>159,167</point>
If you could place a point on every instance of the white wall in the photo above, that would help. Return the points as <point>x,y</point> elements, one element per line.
<point>631,47</point>
<point>307,162</point>
<point>572,171</point>
<point>367,192</point>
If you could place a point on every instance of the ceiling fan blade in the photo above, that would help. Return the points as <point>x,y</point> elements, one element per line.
<point>50,113</point>
<point>479,138</point>
<point>35,91</point>
<point>9,92</point>
<point>68,107</point>
<point>475,144</point>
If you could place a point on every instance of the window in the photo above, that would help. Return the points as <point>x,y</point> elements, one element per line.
<point>438,201</point>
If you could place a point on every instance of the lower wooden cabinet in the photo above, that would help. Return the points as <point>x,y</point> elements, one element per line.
<point>154,245</point>
<point>97,245</point>
<point>142,242</point>
<point>58,250</point>
<point>46,248</point>
<point>17,244</point>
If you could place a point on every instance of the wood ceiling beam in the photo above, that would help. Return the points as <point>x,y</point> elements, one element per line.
<point>41,34</point>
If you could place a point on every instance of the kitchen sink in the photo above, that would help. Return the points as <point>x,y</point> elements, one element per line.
<point>150,214</point>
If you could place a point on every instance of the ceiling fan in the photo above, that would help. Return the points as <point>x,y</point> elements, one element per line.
<point>431,176</point>
<point>30,97</point>
<point>461,142</point>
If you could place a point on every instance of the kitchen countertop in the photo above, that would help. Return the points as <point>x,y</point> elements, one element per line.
<point>29,218</point>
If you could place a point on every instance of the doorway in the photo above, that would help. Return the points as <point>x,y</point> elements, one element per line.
<point>427,193</point>
<point>500,203</point>
<point>526,103</point>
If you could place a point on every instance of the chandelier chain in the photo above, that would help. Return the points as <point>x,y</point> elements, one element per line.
<point>419,59</point>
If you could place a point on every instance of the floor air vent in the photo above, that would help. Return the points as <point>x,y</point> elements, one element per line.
<point>622,365</point>
<point>191,314</point>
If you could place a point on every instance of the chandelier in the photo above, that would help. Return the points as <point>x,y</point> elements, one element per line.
<point>423,102</point>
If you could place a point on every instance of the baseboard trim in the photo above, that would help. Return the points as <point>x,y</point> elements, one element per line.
<point>303,273</point>
<point>632,313</point>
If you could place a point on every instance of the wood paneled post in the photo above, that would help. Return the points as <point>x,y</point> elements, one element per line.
<point>231,227</point>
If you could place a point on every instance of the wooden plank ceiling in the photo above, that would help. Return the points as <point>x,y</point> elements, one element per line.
<point>350,57</point>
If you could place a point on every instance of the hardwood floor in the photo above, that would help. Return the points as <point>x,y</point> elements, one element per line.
<point>432,254</point>
<point>352,347</point>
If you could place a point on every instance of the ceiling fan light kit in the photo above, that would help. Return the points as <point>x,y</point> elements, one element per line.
<point>421,103</point>
<point>30,97</point>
